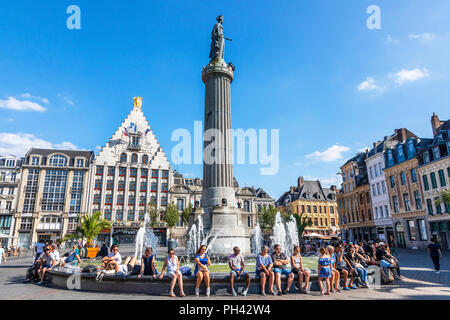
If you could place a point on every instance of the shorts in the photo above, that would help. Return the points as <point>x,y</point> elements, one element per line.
<point>236,275</point>
<point>123,269</point>
<point>48,266</point>
<point>282,271</point>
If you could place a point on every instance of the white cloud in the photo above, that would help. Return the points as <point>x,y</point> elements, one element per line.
<point>18,144</point>
<point>24,105</point>
<point>29,96</point>
<point>325,182</point>
<point>425,37</point>
<point>66,99</point>
<point>332,154</point>
<point>404,76</point>
<point>369,85</point>
<point>391,40</point>
<point>363,149</point>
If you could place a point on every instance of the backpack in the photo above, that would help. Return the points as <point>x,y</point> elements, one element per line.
<point>186,271</point>
<point>89,269</point>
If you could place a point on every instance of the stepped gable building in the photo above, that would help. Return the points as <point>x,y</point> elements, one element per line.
<point>10,168</point>
<point>405,190</point>
<point>130,172</point>
<point>52,193</point>
<point>318,204</point>
<point>434,173</point>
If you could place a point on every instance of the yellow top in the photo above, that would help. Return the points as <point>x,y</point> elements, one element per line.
<point>137,102</point>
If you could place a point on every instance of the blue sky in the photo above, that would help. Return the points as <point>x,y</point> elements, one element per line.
<point>309,68</point>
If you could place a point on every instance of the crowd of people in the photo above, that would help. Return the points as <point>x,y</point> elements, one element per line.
<point>340,266</point>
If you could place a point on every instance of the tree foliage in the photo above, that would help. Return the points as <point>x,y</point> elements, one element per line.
<point>444,197</point>
<point>153,214</point>
<point>186,213</point>
<point>171,217</point>
<point>266,218</point>
<point>91,224</point>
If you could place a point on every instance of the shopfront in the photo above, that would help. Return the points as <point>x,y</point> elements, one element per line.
<point>49,229</point>
<point>123,233</point>
<point>440,230</point>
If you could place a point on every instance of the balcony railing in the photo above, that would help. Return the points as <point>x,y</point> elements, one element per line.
<point>7,211</point>
<point>134,146</point>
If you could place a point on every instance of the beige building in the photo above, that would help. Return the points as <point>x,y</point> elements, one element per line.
<point>52,193</point>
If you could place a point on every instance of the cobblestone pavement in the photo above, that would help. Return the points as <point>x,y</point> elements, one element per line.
<point>422,283</point>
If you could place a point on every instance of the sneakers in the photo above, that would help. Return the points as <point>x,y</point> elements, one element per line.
<point>208,292</point>
<point>244,293</point>
<point>197,292</point>
<point>285,291</point>
<point>263,293</point>
<point>438,272</point>
<point>234,293</point>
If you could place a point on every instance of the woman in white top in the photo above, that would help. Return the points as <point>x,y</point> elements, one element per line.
<point>173,270</point>
<point>297,269</point>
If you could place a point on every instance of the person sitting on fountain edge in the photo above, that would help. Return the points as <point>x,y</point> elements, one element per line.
<point>148,264</point>
<point>297,269</point>
<point>281,266</point>
<point>264,265</point>
<point>237,266</point>
<point>113,260</point>
<point>172,264</point>
<point>202,262</point>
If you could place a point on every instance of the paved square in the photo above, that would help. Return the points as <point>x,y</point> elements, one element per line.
<point>422,283</point>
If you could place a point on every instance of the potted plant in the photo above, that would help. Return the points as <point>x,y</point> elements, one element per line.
<point>91,224</point>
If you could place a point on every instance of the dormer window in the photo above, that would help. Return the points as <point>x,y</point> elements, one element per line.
<point>436,153</point>
<point>58,161</point>
<point>35,161</point>
<point>411,148</point>
<point>426,157</point>
<point>80,163</point>
<point>400,152</point>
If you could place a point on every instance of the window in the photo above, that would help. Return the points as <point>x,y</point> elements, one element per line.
<point>111,171</point>
<point>141,215</point>
<point>80,163</point>
<point>333,222</point>
<point>165,174</point>
<point>131,200</point>
<point>374,191</point>
<point>108,199</point>
<point>164,187</point>
<point>120,199</point>
<point>412,230</point>
<point>324,209</point>
<point>376,213</point>
<point>163,201</point>
<point>390,157</point>
<point>392,180</point>
<point>142,201</point>
<point>107,214</point>
<point>180,204</point>
<point>411,149</point>
<point>332,210</point>
<point>58,161</point>
<point>144,173</point>
<point>406,201</point>
<point>119,215</point>
<point>26,224</point>
<point>110,185</point>
<point>98,184</point>
<point>123,157</point>
<point>395,203</point>
<point>433,180</point>
<point>154,187</point>
<point>76,192</point>
<point>438,205</point>
<point>403,178</point>
<point>422,230</point>
<point>72,224</point>
<point>378,188</point>
<point>134,158</point>
<point>314,209</point>
<point>145,159</point>
<point>320,209</point>
<point>143,187</point>
<point>99,170</point>
<point>97,198</point>
<point>133,172</point>
<point>49,223</point>
<point>430,206</point>
<point>35,161</point>
<point>426,157</point>
<point>436,153</point>
<point>442,178</point>
<point>155,174</point>
<point>121,185</point>
<point>383,186</point>
<point>54,190</point>
<point>122,172</point>
<point>371,172</point>
<point>418,200</point>
<point>5,222</point>
<point>386,211</point>
<point>316,222</point>
<point>308,208</point>
<point>425,183</point>
<point>130,216</point>
<point>413,175</point>
<point>400,153</point>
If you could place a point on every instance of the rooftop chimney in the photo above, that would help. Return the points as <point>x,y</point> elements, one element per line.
<point>300,182</point>
<point>435,124</point>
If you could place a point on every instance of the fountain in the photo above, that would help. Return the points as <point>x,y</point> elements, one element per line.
<point>257,240</point>
<point>145,238</point>
<point>285,234</point>
<point>197,237</point>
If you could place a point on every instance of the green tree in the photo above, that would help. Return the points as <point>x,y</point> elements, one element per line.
<point>153,214</point>
<point>302,223</point>
<point>444,197</point>
<point>186,213</point>
<point>171,217</point>
<point>266,218</point>
<point>91,224</point>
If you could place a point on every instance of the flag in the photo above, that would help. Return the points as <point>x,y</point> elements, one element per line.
<point>126,132</point>
<point>133,127</point>
<point>147,131</point>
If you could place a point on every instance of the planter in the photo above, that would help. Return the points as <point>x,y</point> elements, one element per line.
<point>91,253</point>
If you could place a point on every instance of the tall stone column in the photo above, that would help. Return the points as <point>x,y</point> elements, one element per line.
<point>218,195</point>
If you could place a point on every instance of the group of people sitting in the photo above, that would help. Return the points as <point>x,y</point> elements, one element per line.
<point>349,261</point>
